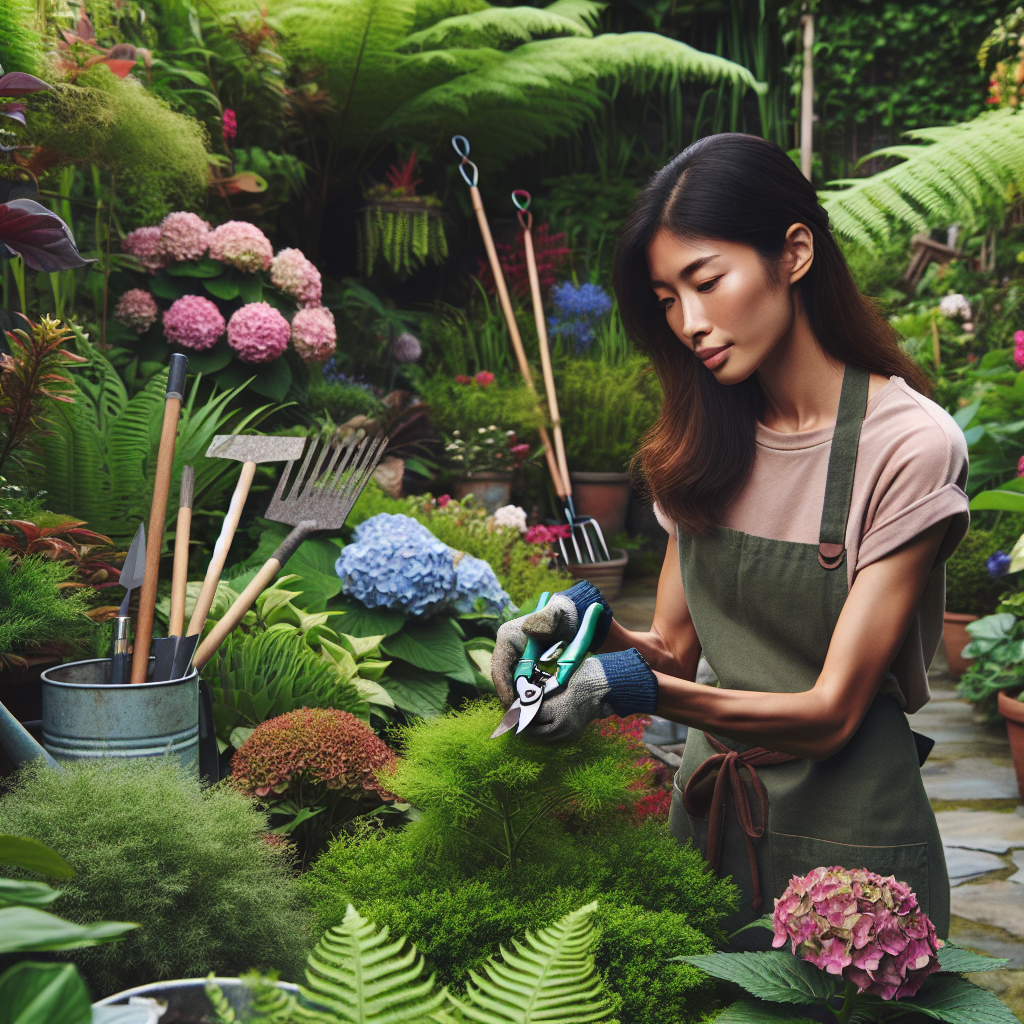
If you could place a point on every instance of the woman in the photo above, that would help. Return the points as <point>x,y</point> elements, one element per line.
<point>812,494</point>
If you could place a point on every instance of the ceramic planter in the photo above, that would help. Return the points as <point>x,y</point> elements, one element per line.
<point>606,576</point>
<point>186,1001</point>
<point>1013,711</point>
<point>605,497</point>
<point>956,638</point>
<point>492,490</point>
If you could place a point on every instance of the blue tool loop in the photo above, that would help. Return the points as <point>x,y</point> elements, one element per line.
<point>461,146</point>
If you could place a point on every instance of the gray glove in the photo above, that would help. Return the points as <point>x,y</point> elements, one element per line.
<point>557,621</point>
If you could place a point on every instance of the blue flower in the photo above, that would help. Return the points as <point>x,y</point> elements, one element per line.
<point>998,564</point>
<point>475,579</point>
<point>396,562</point>
<point>578,311</point>
<point>333,375</point>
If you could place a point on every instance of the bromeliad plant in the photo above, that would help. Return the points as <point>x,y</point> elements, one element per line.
<point>861,948</point>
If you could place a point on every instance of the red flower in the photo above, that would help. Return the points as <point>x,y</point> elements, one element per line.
<point>541,534</point>
<point>443,500</point>
<point>463,379</point>
<point>484,377</point>
<point>229,126</point>
<point>551,252</point>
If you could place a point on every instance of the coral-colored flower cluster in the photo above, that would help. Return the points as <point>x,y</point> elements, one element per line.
<point>193,322</point>
<point>313,745</point>
<point>541,534</point>
<point>1018,349</point>
<point>242,245</point>
<point>137,310</point>
<point>483,378</point>
<point>296,276</point>
<point>857,924</point>
<point>314,334</point>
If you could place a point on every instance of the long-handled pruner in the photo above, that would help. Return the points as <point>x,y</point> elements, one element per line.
<point>533,684</point>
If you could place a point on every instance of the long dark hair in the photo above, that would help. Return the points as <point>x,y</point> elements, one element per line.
<point>737,188</point>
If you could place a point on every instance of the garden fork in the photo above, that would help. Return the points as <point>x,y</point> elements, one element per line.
<point>320,497</point>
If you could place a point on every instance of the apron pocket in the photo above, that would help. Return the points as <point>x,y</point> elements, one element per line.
<point>797,855</point>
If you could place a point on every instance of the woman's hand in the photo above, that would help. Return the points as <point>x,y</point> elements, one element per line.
<point>818,722</point>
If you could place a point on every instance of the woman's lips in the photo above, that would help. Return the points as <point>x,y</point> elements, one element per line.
<point>714,357</point>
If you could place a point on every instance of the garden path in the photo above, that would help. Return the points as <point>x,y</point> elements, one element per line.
<point>970,780</point>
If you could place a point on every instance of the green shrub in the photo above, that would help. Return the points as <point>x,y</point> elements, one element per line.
<point>19,42</point>
<point>969,588</point>
<point>190,865</point>
<point>440,882</point>
<point>343,401</point>
<point>37,615</point>
<point>507,403</point>
<point>606,409</point>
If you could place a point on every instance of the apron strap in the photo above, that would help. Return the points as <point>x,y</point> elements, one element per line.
<point>842,462</point>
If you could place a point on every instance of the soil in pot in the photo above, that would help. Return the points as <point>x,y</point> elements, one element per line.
<point>956,638</point>
<point>1013,711</point>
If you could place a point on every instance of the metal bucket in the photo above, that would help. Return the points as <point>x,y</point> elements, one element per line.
<point>86,717</point>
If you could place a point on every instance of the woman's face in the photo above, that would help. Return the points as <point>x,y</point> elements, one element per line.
<point>723,302</point>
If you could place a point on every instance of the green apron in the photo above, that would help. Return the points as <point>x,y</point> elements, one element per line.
<point>764,611</point>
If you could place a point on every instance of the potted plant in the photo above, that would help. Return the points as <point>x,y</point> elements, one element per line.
<point>1012,709</point>
<point>483,460</point>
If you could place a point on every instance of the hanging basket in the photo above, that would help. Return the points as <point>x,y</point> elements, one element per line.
<point>405,231</point>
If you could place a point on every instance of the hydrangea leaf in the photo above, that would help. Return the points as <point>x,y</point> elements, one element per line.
<point>433,645</point>
<point>425,697</point>
<point>165,287</point>
<point>250,288</point>
<point>757,1011</point>
<point>226,287</point>
<point>955,1000</point>
<point>778,977</point>
<point>956,960</point>
<point>272,380</point>
<point>365,622</point>
<point>212,360</point>
<point>313,564</point>
<point>197,268</point>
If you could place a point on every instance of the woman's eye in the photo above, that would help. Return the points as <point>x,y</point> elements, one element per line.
<point>666,304</point>
<point>707,285</point>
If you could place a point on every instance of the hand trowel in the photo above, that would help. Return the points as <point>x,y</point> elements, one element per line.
<point>132,573</point>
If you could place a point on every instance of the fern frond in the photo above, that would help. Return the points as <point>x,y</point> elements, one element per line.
<point>356,973</point>
<point>586,12</point>
<point>550,977</point>
<point>963,169</point>
<point>496,27</point>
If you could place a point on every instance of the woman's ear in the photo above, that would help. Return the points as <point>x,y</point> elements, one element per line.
<point>799,251</point>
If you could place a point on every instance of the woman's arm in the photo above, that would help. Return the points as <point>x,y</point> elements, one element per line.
<point>671,646</point>
<point>817,723</point>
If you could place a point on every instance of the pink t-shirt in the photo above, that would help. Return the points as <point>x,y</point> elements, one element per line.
<point>911,471</point>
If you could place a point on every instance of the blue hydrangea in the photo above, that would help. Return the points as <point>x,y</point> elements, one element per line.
<point>998,564</point>
<point>333,375</point>
<point>474,579</point>
<point>578,312</point>
<point>396,562</point>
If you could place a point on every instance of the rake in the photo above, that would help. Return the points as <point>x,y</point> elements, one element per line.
<point>319,497</point>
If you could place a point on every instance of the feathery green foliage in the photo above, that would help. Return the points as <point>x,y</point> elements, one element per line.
<point>191,865</point>
<point>37,616</point>
<point>962,173</point>
<point>406,233</point>
<point>99,460</point>
<point>158,156</point>
<point>550,976</point>
<point>20,48</point>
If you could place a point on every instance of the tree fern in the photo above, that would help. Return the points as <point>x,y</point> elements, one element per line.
<point>361,977</point>
<point>549,978</point>
<point>493,27</point>
<point>964,169</point>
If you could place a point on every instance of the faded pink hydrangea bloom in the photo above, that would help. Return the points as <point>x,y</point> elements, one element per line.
<point>137,310</point>
<point>313,334</point>
<point>296,276</point>
<point>866,928</point>
<point>258,333</point>
<point>1018,349</point>
<point>242,245</point>
<point>1020,466</point>
<point>193,322</point>
<point>183,236</point>
<point>144,245</point>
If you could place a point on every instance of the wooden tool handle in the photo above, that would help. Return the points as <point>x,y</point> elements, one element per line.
<point>179,575</point>
<point>236,612</point>
<point>221,548</point>
<point>155,540</point>
<point>510,320</point>
<point>545,364</point>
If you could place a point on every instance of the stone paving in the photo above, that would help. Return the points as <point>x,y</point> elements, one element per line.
<point>970,780</point>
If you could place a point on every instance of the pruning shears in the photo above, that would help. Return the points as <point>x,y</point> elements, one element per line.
<point>533,684</point>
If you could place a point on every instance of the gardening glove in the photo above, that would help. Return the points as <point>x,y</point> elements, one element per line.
<point>557,621</point>
<point>618,683</point>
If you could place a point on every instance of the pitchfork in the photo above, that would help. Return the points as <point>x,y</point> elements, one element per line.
<point>320,497</point>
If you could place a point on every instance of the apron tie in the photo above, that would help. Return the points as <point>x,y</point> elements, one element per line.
<point>724,767</point>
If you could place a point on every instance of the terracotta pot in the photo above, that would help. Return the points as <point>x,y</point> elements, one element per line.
<point>956,638</point>
<point>606,576</point>
<point>492,490</point>
<point>1013,711</point>
<point>605,496</point>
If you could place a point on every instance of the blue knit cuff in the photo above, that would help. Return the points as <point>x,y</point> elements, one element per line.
<point>583,595</point>
<point>634,690</point>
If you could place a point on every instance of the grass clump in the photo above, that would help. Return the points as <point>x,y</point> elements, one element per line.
<point>191,865</point>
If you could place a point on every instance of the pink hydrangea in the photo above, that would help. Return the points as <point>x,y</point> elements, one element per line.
<point>541,534</point>
<point>296,276</point>
<point>184,236</point>
<point>1018,349</point>
<point>193,322</point>
<point>144,245</point>
<point>1020,466</point>
<point>136,309</point>
<point>866,928</point>
<point>242,245</point>
<point>258,333</point>
<point>313,334</point>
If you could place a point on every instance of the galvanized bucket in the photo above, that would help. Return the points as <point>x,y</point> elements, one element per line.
<point>85,717</point>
